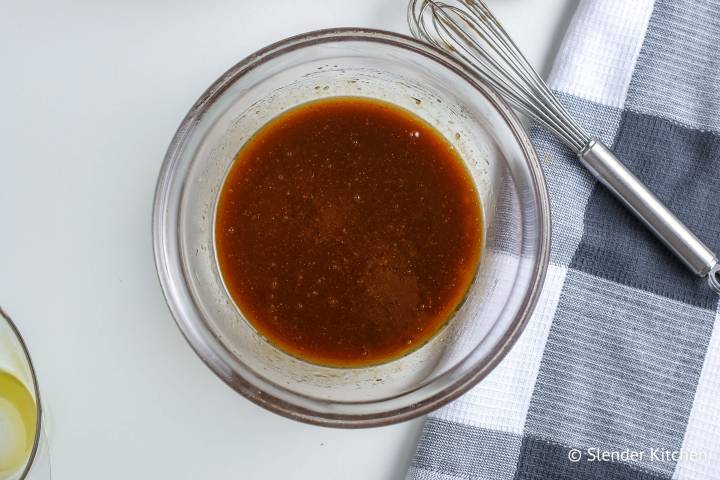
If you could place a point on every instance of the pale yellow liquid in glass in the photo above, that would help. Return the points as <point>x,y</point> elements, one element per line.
<point>18,415</point>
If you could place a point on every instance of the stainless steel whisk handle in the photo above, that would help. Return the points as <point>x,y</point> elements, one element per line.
<point>606,167</point>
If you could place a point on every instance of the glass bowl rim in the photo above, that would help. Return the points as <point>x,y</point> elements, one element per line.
<point>218,357</point>
<point>36,390</point>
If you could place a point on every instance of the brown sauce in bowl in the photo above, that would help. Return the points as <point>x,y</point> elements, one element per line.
<point>348,231</point>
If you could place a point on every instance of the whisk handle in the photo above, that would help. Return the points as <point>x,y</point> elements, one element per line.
<point>606,167</point>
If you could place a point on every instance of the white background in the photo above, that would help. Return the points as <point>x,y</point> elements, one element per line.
<point>92,92</point>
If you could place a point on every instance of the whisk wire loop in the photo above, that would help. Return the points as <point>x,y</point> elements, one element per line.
<point>469,31</point>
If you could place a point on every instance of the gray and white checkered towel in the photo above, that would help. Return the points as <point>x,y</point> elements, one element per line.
<point>617,375</point>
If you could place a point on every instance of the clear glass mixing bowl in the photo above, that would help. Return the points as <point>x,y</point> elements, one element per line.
<point>497,152</point>
<point>15,361</point>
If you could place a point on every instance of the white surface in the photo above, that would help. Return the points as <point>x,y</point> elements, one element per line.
<point>92,93</point>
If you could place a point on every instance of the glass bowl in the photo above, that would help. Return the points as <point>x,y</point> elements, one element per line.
<point>419,78</point>
<point>15,361</point>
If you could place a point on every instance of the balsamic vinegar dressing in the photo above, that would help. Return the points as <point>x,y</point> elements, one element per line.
<point>348,231</point>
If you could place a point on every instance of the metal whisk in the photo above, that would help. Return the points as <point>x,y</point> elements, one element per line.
<point>468,31</point>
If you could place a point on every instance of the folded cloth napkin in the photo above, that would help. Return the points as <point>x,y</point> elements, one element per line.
<point>617,375</point>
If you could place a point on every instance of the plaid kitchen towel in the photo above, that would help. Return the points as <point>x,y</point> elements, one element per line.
<point>617,375</point>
